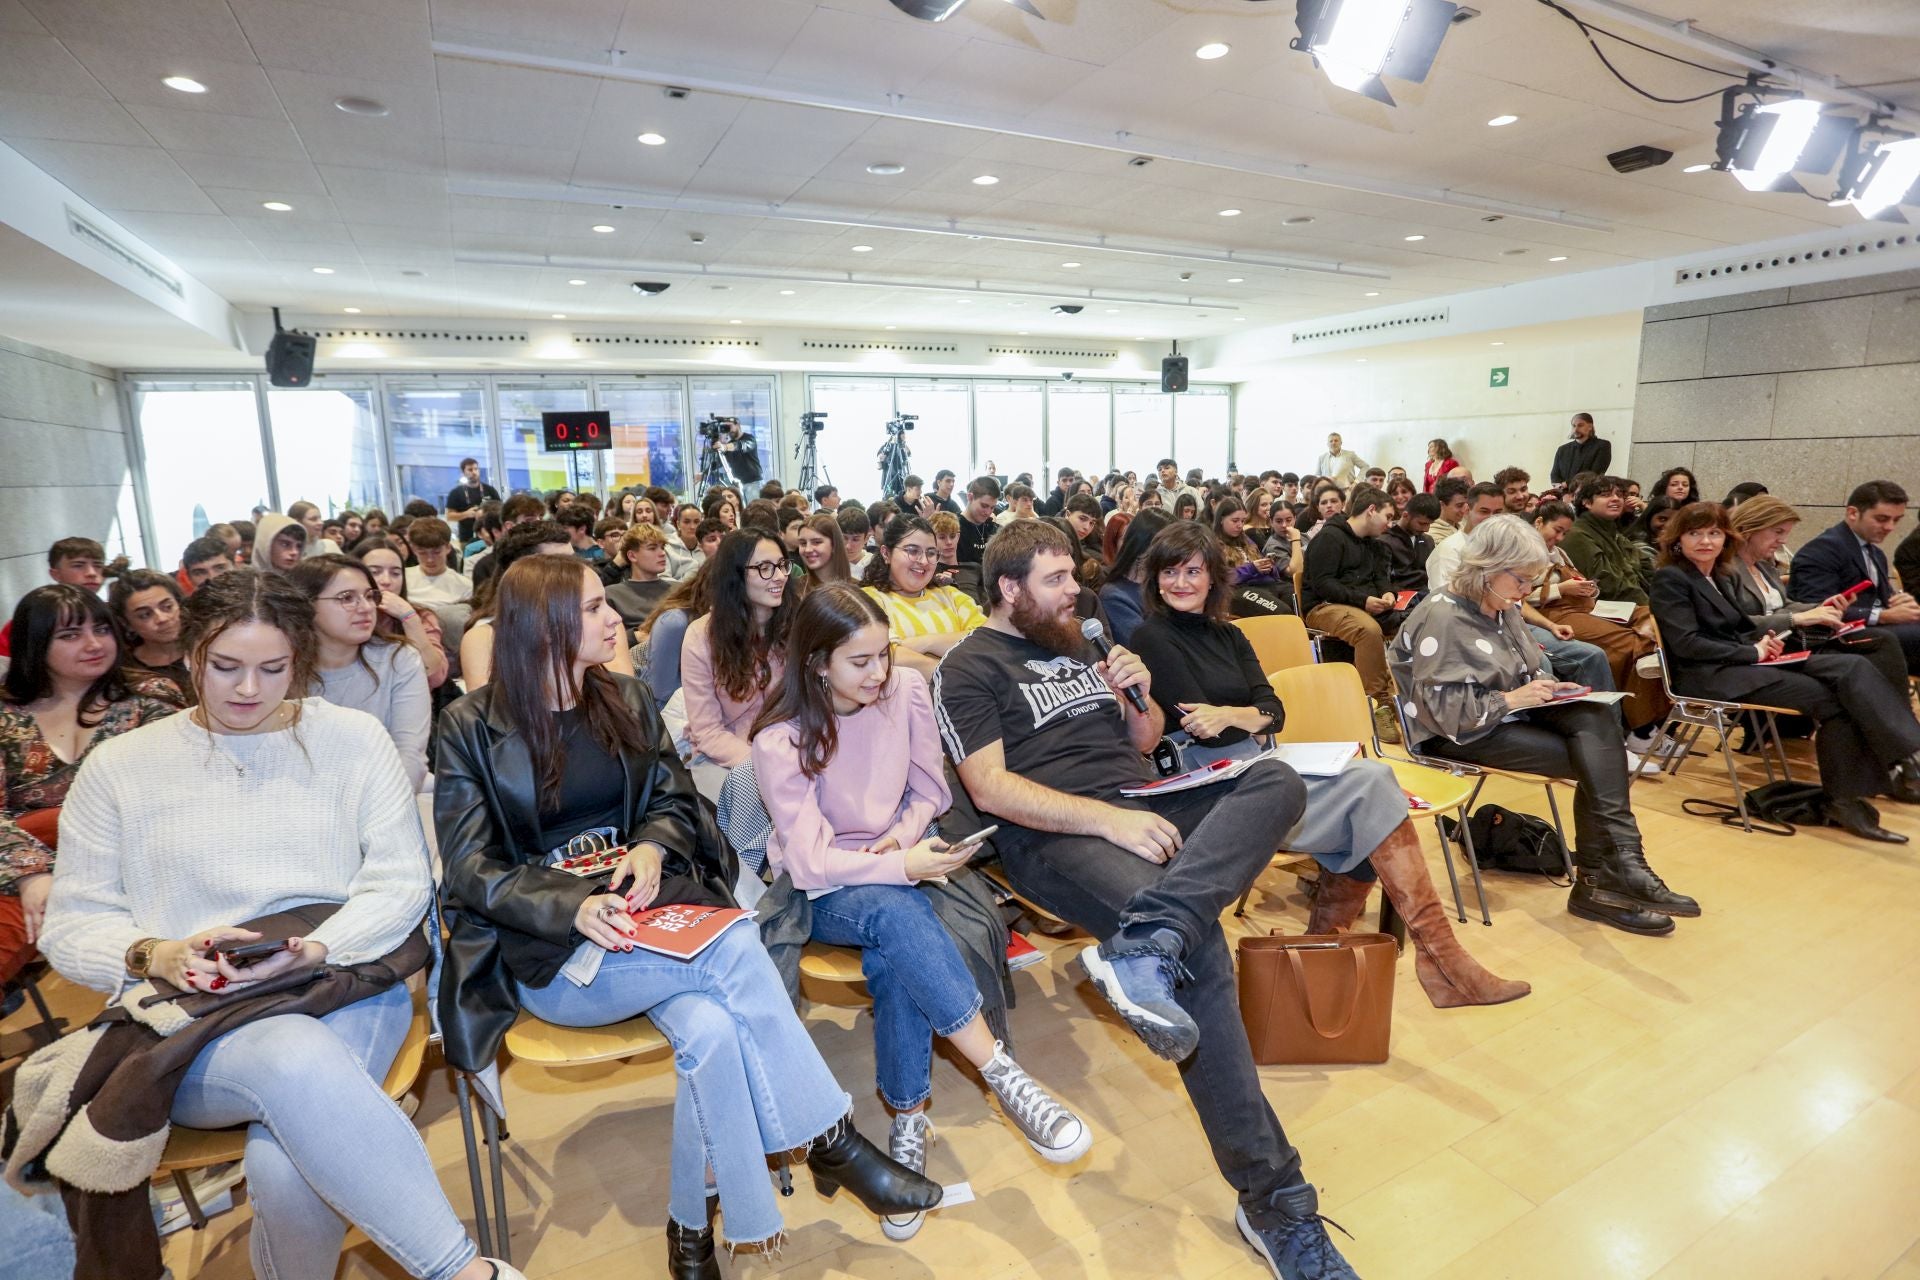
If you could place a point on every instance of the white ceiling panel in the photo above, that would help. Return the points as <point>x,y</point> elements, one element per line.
<point>583,24</point>
<point>407,138</point>
<point>743,35</point>
<point>291,177</point>
<point>785,138</point>
<point>15,20</point>
<point>132,73</point>
<point>899,54</point>
<point>41,64</point>
<point>497,162</point>
<point>246,205</point>
<point>120,177</point>
<point>327,40</point>
<point>68,118</point>
<point>485,103</point>
<point>197,27</point>
<point>268,138</point>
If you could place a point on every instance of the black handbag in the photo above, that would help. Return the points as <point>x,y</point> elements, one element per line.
<point>1507,841</point>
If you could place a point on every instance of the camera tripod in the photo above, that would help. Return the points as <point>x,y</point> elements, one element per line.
<point>894,456</point>
<point>807,451</point>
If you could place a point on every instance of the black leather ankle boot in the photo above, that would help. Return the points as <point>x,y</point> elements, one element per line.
<point>1858,818</point>
<point>840,1157</point>
<point>690,1252</point>
<point>1625,872</point>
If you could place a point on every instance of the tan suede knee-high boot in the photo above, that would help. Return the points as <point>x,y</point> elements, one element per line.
<point>1448,975</point>
<point>1338,903</point>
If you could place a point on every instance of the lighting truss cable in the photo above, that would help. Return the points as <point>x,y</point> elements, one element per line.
<point>1588,30</point>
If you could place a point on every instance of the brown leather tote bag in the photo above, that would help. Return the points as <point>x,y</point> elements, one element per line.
<point>1318,999</point>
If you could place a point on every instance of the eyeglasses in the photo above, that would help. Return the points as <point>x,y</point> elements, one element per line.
<point>351,600</point>
<point>919,553</point>
<point>768,569</point>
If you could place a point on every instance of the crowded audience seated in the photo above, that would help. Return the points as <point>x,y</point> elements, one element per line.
<point>147,605</point>
<point>1408,543</point>
<point>1867,739</point>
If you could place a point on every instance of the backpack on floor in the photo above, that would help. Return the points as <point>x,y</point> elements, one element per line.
<point>1519,842</point>
<point>1778,808</point>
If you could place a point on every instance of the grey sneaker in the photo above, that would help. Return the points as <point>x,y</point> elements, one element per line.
<point>907,1144</point>
<point>1049,1128</point>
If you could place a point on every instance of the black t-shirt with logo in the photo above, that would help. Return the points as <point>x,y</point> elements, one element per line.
<point>468,497</point>
<point>1055,718</point>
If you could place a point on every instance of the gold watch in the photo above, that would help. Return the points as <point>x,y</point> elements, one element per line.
<point>140,956</point>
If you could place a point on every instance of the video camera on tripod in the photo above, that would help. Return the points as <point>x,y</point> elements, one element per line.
<point>902,424</point>
<point>714,426</point>
<point>814,421</point>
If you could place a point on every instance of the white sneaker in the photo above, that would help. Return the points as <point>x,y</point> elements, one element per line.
<point>504,1270</point>
<point>1648,666</point>
<point>907,1144</point>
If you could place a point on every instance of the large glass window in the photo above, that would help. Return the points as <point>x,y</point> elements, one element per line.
<point>432,425</point>
<point>201,441</point>
<point>1143,428</point>
<point>649,432</point>
<point>1008,421</point>
<point>1200,423</point>
<point>522,443</point>
<point>751,401</point>
<point>857,410</point>
<point>326,445</point>
<point>942,438</point>
<point>1079,426</point>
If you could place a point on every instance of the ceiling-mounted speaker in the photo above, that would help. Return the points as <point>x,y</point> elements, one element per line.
<point>1173,373</point>
<point>289,356</point>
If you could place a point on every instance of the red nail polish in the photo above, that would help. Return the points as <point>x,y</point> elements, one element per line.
<point>217,984</point>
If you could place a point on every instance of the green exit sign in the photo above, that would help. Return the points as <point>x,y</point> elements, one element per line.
<point>1498,378</point>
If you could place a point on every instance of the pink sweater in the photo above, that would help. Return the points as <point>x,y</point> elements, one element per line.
<point>884,781</point>
<point>716,724</point>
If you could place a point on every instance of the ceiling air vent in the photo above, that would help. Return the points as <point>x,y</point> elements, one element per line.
<point>82,229</point>
<point>928,348</point>
<point>653,340</point>
<point>1858,242</point>
<point>1419,319</point>
<point>411,335</point>
<point>1054,353</point>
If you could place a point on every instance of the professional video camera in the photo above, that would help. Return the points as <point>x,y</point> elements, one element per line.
<point>714,426</point>
<point>903,423</point>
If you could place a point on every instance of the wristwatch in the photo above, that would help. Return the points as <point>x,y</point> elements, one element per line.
<point>140,956</point>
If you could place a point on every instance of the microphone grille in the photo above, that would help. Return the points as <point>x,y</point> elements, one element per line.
<point>1090,629</point>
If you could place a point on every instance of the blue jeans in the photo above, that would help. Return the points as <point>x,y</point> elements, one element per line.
<point>1576,660</point>
<point>301,1085</point>
<point>920,985</point>
<point>751,1082</point>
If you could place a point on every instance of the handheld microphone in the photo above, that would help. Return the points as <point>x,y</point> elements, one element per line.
<point>1096,635</point>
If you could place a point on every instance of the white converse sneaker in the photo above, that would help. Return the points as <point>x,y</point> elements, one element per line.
<point>907,1144</point>
<point>1049,1128</point>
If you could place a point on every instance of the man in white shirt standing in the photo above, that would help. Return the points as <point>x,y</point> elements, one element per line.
<point>1339,465</point>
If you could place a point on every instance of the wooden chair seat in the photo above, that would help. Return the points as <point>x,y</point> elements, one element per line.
<point>825,962</point>
<point>543,1043</point>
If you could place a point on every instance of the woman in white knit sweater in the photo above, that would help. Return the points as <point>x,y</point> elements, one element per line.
<point>251,804</point>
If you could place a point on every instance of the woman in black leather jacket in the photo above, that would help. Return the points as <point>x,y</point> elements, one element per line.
<point>557,752</point>
<point>1868,741</point>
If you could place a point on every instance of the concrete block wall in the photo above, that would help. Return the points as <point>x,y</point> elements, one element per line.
<point>1809,390</point>
<point>65,464</point>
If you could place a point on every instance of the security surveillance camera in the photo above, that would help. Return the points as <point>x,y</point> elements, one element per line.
<point>1067,309</point>
<point>650,287</point>
<point>1067,374</point>
<point>698,237</point>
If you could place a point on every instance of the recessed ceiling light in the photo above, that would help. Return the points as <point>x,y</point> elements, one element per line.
<point>886,168</point>
<point>1499,344</point>
<point>892,327</point>
<point>1208,52</point>
<point>651,140</point>
<point>1139,337</point>
<point>733,322</point>
<point>1511,253</point>
<point>559,315</point>
<point>323,271</point>
<point>1236,279</point>
<point>604,229</point>
<point>278,206</point>
<point>985,180</point>
<point>1501,121</point>
<point>1069,265</point>
<point>1410,239</point>
<point>1113,311</point>
<point>863,248</point>
<point>360,107</point>
<point>352,311</point>
<point>1297,220</point>
<point>576,282</point>
<point>1696,168</point>
<point>184,84</point>
<point>1374,293</point>
<point>1360,360</point>
<point>1021,334</point>
<point>1229,213</point>
<point>1558,258</point>
<point>786,293</point>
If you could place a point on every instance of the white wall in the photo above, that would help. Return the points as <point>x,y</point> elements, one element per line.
<point>1388,401</point>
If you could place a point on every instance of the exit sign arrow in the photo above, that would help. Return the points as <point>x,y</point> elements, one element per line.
<point>1498,378</point>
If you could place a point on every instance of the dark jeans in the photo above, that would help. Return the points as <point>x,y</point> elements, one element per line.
<point>1907,636</point>
<point>1865,727</point>
<point>1229,832</point>
<point>1581,741</point>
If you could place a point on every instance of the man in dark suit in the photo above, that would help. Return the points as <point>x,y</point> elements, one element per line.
<point>1849,553</point>
<point>1585,452</point>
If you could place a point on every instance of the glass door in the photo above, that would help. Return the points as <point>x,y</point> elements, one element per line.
<point>1079,430</point>
<point>750,399</point>
<point>432,425</point>
<point>1009,421</point>
<point>522,443</point>
<point>326,445</point>
<point>649,421</point>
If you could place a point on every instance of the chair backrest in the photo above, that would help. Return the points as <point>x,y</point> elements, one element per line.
<point>1325,702</point>
<point>1660,652</point>
<point>1279,642</point>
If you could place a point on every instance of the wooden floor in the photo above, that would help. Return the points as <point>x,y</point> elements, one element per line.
<point>1740,1100</point>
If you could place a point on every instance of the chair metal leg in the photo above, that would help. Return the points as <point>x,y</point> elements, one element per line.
<point>51,1025</point>
<point>1446,855</point>
<point>490,1129</point>
<point>1240,907</point>
<point>1779,746</point>
<point>1566,847</point>
<point>195,1214</point>
<point>1479,888</point>
<point>1733,776</point>
<point>482,1230</point>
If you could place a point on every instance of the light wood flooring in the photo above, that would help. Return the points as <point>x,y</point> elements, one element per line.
<point>1740,1100</point>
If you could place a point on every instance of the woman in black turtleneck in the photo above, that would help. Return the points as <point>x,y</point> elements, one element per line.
<point>1208,682</point>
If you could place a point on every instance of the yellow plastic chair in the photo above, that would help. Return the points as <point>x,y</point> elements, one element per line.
<point>190,1149</point>
<point>1280,642</point>
<point>1325,702</point>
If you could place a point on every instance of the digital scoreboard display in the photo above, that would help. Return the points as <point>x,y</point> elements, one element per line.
<point>565,432</point>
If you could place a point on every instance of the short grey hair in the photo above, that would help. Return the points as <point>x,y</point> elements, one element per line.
<point>1501,544</point>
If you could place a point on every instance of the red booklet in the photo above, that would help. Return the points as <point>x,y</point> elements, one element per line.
<point>1786,659</point>
<point>683,931</point>
<point>1022,954</point>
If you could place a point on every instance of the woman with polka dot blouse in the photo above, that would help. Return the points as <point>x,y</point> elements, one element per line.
<point>1475,686</point>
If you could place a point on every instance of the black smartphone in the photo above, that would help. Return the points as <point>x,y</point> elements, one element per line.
<point>250,952</point>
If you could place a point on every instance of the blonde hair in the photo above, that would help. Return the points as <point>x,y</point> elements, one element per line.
<point>1503,544</point>
<point>945,524</point>
<point>638,536</point>
<point>1762,511</point>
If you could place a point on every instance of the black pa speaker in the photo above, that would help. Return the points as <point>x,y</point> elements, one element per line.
<point>290,359</point>
<point>1173,373</point>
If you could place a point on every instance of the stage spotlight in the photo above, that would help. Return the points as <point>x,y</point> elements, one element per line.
<point>1890,179</point>
<point>1762,144</point>
<point>1359,42</point>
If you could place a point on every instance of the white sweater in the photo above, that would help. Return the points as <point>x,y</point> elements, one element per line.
<point>169,830</point>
